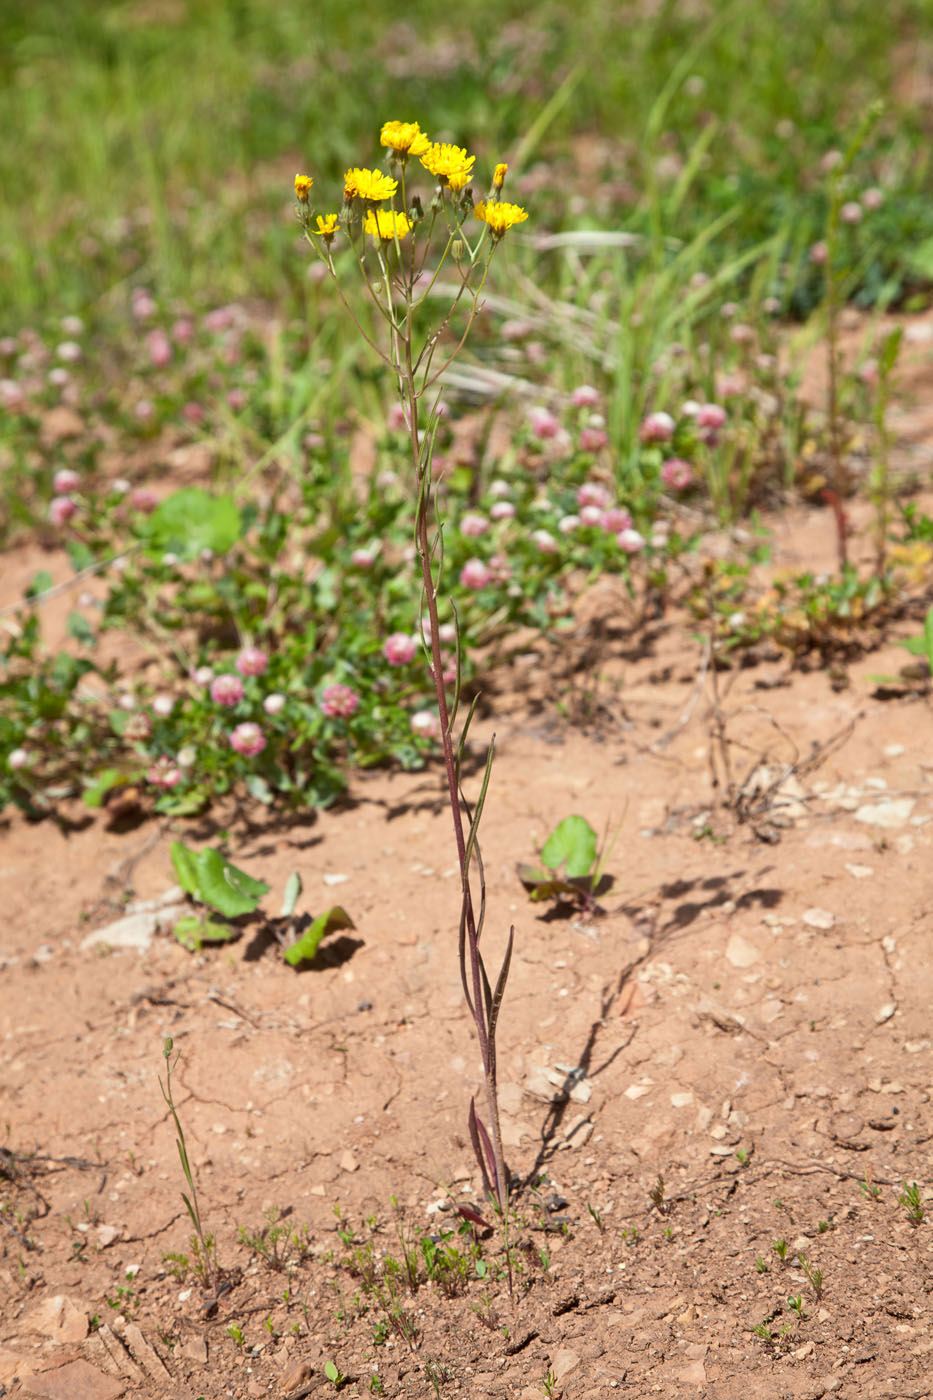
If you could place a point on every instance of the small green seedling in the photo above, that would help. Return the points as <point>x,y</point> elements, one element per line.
<point>796,1306</point>
<point>814,1275</point>
<point>335,1376</point>
<point>305,947</point>
<point>760,1265</point>
<point>597,1218</point>
<point>923,645</point>
<point>209,879</point>
<point>780,1249</point>
<point>573,868</point>
<point>203,1244</point>
<point>869,1189</point>
<point>911,1201</point>
<point>550,1385</point>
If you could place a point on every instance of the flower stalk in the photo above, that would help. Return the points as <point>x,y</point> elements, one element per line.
<point>384,222</point>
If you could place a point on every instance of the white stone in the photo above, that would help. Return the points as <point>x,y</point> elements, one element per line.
<point>741,953</point>
<point>889,813</point>
<point>818,918</point>
<point>886,1012</point>
<point>134,930</point>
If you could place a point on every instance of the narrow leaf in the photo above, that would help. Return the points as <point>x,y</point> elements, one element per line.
<point>500,986</point>
<point>480,801</point>
<point>293,889</point>
<point>474,1125</point>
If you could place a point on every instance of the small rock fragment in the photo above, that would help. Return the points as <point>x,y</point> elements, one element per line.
<point>564,1362</point>
<point>348,1162</point>
<point>818,918</point>
<point>145,1354</point>
<point>77,1380</point>
<point>59,1319</point>
<point>860,872</point>
<point>890,812</point>
<point>741,953</point>
<point>682,1100</point>
<point>886,1012</point>
<point>295,1376</point>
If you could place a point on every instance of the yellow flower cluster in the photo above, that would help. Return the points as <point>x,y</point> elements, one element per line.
<point>368,185</point>
<point>386,225</point>
<point>327,226</point>
<point>500,216</point>
<point>450,165</point>
<point>404,138</point>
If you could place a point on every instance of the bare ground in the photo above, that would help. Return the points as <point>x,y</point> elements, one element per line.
<point>748,1019</point>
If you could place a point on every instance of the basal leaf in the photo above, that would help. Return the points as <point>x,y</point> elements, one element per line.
<point>307,945</point>
<point>101,784</point>
<point>186,868</point>
<point>194,930</point>
<point>571,847</point>
<point>226,888</point>
<point>192,520</point>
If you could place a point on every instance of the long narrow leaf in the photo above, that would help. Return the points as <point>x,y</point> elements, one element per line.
<point>500,987</point>
<point>461,746</point>
<point>474,825</point>
<point>474,1125</point>
<point>463,959</point>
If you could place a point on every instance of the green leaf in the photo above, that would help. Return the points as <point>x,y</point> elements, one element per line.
<point>78,627</point>
<point>331,1372</point>
<point>307,945</point>
<point>42,582</point>
<point>192,520</point>
<point>917,646</point>
<point>185,862</point>
<point>572,845</point>
<point>292,894</point>
<point>225,887</point>
<point>80,554</point>
<point>920,259</point>
<point>100,785</point>
<point>259,789</point>
<point>194,930</point>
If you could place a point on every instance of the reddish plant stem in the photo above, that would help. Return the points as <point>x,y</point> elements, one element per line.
<point>422,534</point>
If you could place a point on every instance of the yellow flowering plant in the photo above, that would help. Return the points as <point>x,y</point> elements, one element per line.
<point>400,241</point>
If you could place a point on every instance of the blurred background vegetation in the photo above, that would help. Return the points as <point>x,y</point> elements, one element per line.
<point>156,140</point>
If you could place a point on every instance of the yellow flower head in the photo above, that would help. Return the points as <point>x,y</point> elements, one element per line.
<point>386,224</point>
<point>303,185</point>
<point>327,226</point>
<point>370,185</point>
<point>500,216</point>
<point>404,138</point>
<point>498,176</point>
<point>449,164</point>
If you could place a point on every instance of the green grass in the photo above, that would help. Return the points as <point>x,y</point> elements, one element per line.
<point>155,141</point>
